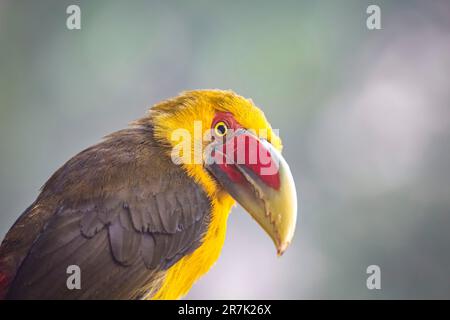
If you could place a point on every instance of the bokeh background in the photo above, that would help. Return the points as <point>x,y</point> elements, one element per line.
<point>364,115</point>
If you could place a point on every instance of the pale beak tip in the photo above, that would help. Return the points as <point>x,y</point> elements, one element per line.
<point>282,248</point>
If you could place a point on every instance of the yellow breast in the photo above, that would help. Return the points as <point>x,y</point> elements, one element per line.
<point>181,276</point>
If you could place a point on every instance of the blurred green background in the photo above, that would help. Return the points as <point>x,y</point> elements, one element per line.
<point>364,116</point>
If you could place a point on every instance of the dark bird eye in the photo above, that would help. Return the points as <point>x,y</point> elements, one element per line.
<point>220,129</point>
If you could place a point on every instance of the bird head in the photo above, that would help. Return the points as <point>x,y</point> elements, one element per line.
<point>227,145</point>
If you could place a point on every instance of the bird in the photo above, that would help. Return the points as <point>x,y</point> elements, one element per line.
<point>143,213</point>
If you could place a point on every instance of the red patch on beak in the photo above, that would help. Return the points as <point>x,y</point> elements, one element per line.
<point>246,150</point>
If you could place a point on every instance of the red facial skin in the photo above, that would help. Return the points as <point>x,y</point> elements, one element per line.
<point>250,153</point>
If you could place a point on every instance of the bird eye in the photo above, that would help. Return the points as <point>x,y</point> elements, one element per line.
<point>220,128</point>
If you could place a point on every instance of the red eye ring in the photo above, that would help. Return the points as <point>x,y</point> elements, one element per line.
<point>227,119</point>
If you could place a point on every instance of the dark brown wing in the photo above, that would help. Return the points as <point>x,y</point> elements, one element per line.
<point>121,212</point>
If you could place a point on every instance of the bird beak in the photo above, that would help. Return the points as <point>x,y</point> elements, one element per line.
<point>256,175</point>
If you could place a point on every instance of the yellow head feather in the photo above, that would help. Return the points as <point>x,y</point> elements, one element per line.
<point>184,110</point>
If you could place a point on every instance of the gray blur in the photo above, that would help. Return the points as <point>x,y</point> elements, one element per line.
<point>364,117</point>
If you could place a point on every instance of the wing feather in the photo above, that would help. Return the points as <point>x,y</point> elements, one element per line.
<point>121,211</point>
